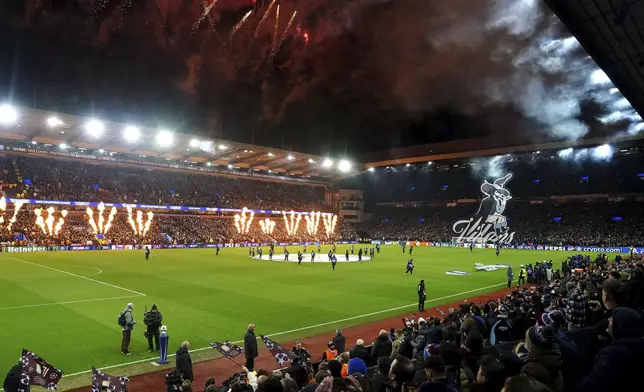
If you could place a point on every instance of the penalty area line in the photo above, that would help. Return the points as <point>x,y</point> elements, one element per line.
<point>68,302</point>
<point>76,275</point>
<point>299,329</point>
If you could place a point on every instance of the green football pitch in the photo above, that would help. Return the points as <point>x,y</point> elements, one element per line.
<point>64,305</point>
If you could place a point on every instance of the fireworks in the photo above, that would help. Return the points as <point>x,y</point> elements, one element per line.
<point>46,224</point>
<point>238,26</point>
<point>139,226</point>
<point>267,226</point>
<point>102,227</point>
<point>3,209</point>
<point>264,17</point>
<point>329,221</point>
<point>242,221</point>
<point>206,13</point>
<point>292,222</point>
<point>312,222</point>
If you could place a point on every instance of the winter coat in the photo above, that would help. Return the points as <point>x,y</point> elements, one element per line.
<point>576,305</point>
<point>12,380</point>
<point>184,363</point>
<point>339,341</point>
<point>250,345</point>
<point>618,365</point>
<point>360,352</point>
<point>381,348</point>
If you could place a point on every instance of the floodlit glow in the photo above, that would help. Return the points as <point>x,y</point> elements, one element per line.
<point>371,169</point>
<point>53,122</point>
<point>208,164</point>
<point>290,157</point>
<point>243,221</point>
<point>164,138</point>
<point>407,165</point>
<point>270,154</point>
<point>311,160</point>
<point>223,147</point>
<point>230,166</point>
<point>95,128</point>
<point>292,222</point>
<point>429,163</point>
<point>101,151</point>
<point>603,152</point>
<point>344,166</point>
<point>614,90</point>
<point>194,143</point>
<point>63,146</point>
<point>566,153</point>
<point>34,142</point>
<point>599,77</point>
<point>635,128</point>
<point>327,163</point>
<point>8,115</point>
<point>131,133</point>
<point>622,103</point>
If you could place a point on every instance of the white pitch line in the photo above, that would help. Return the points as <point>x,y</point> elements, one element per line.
<point>76,275</point>
<point>296,329</point>
<point>67,302</point>
<point>100,271</point>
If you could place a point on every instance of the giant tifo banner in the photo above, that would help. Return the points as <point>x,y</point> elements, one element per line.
<point>488,225</point>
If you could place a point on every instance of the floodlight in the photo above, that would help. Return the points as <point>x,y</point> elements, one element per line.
<point>270,154</point>
<point>208,164</point>
<point>95,128</point>
<point>230,166</point>
<point>8,115</point>
<point>407,165</point>
<point>101,151</point>
<point>371,169</point>
<point>223,147</point>
<point>327,163</point>
<point>131,133</point>
<point>565,153</point>
<point>290,157</point>
<point>53,122</point>
<point>429,163</point>
<point>344,166</point>
<point>194,143</point>
<point>63,146</point>
<point>614,90</point>
<point>164,138</point>
<point>311,160</point>
<point>34,142</point>
<point>602,152</point>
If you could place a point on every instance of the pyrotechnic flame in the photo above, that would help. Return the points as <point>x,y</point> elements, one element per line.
<point>102,227</point>
<point>3,208</point>
<point>16,207</point>
<point>238,26</point>
<point>47,224</point>
<point>264,17</point>
<point>292,222</point>
<point>267,226</point>
<point>329,221</point>
<point>139,227</point>
<point>242,222</point>
<point>312,222</point>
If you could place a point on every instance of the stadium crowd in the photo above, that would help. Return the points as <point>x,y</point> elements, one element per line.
<point>578,328</point>
<point>54,179</point>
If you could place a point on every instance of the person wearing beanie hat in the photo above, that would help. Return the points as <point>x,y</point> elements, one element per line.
<point>540,346</point>
<point>153,321</point>
<point>617,366</point>
<point>357,365</point>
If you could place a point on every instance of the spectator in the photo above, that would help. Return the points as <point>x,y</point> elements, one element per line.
<point>250,347</point>
<point>339,341</point>
<point>617,366</point>
<point>381,347</point>
<point>523,383</point>
<point>359,351</point>
<point>576,305</point>
<point>490,376</point>
<point>184,362</point>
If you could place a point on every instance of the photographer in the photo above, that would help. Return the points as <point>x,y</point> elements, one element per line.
<point>153,320</point>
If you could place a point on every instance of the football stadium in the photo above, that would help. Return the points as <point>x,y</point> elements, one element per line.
<point>220,222</point>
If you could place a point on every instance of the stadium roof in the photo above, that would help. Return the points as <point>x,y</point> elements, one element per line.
<point>612,32</point>
<point>74,132</point>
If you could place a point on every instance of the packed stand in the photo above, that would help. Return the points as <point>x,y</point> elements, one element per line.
<point>576,328</point>
<point>52,179</point>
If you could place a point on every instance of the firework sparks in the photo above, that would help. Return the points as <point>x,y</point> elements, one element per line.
<point>238,26</point>
<point>264,17</point>
<point>206,14</point>
<point>279,39</point>
<point>277,25</point>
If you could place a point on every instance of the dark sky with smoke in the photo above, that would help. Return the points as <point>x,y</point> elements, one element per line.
<point>355,74</point>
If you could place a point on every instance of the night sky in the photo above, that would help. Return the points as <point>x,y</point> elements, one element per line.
<point>344,75</point>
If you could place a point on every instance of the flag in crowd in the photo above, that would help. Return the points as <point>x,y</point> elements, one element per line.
<point>281,354</point>
<point>227,349</point>
<point>112,383</point>
<point>36,371</point>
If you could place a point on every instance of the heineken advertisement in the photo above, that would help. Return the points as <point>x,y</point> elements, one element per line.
<point>23,249</point>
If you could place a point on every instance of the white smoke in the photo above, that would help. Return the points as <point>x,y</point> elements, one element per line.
<point>490,167</point>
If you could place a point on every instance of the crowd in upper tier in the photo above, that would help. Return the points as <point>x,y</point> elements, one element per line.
<point>55,179</point>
